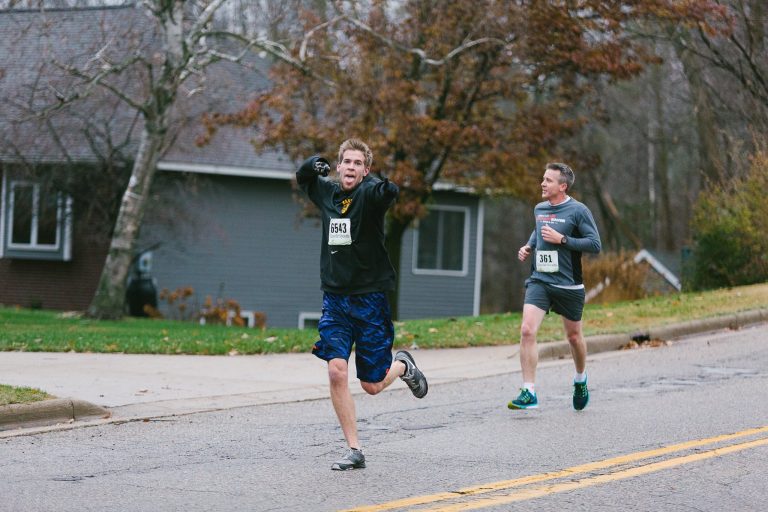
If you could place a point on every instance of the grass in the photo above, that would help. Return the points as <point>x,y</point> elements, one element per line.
<point>21,395</point>
<point>37,330</point>
<point>49,331</point>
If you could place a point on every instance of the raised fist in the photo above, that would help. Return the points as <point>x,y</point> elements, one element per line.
<point>322,167</point>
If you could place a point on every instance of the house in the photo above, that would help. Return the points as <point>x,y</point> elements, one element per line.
<point>662,273</point>
<point>224,220</point>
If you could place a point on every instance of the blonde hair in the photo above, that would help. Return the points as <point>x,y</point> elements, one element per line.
<point>357,145</point>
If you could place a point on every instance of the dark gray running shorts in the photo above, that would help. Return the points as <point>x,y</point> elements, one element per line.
<point>563,301</point>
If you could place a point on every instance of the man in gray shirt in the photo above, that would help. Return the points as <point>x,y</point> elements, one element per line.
<point>564,229</point>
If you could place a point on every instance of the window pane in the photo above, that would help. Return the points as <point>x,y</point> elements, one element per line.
<point>22,214</point>
<point>428,228</point>
<point>47,219</point>
<point>453,240</point>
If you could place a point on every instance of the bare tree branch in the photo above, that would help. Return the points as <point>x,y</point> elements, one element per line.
<point>273,48</point>
<point>308,35</point>
<point>420,53</point>
<point>93,81</point>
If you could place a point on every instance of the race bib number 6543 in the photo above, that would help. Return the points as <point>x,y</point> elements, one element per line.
<point>340,232</point>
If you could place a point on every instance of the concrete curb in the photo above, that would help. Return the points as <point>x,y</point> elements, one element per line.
<point>607,342</point>
<point>49,412</point>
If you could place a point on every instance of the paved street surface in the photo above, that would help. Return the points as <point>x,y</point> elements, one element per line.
<point>680,427</point>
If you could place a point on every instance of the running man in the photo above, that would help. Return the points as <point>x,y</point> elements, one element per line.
<point>356,273</point>
<point>564,229</point>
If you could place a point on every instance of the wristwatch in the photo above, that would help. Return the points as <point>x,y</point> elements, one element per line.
<point>564,240</point>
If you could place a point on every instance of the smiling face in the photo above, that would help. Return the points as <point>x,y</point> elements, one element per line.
<point>351,169</point>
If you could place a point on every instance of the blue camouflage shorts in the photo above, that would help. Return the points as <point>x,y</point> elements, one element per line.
<point>363,321</point>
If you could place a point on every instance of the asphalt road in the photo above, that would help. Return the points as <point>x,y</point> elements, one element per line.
<point>680,427</point>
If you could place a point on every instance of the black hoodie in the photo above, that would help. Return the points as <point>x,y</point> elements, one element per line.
<point>363,265</point>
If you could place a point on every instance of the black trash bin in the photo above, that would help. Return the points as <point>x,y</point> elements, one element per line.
<point>141,292</point>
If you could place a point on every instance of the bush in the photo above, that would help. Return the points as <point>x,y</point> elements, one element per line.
<point>613,277</point>
<point>181,305</point>
<point>729,225</point>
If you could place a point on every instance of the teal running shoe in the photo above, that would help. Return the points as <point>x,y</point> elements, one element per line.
<point>525,400</point>
<point>580,395</point>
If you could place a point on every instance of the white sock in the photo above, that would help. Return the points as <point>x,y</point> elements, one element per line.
<point>529,387</point>
<point>580,377</point>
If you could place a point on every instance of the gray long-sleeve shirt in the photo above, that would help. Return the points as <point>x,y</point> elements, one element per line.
<point>560,265</point>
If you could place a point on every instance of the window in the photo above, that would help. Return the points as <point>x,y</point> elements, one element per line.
<point>36,222</point>
<point>441,242</point>
<point>309,320</point>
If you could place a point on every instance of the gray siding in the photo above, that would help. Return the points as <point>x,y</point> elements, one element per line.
<point>436,296</point>
<point>245,239</point>
<point>249,243</point>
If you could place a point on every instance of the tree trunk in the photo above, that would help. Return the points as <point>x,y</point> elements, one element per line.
<point>613,223</point>
<point>665,229</point>
<point>393,241</point>
<point>109,300</point>
<point>710,161</point>
<point>756,29</point>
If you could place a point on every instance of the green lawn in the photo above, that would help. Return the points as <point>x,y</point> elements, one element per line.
<point>36,330</point>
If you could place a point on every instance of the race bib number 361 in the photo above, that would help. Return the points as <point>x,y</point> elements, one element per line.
<point>340,232</point>
<point>546,261</point>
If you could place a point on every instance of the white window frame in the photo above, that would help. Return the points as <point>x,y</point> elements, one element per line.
<point>465,249</point>
<point>63,242</point>
<point>308,315</point>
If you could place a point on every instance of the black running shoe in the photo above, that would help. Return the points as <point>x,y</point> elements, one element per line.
<point>412,376</point>
<point>353,459</point>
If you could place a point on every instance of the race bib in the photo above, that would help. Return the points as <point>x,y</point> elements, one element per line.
<point>340,232</point>
<point>546,261</point>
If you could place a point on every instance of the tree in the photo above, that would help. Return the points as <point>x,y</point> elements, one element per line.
<point>149,70</point>
<point>729,223</point>
<point>474,94</point>
<point>717,64</point>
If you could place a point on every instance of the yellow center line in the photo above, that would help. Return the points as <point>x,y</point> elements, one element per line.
<point>538,492</point>
<point>568,472</point>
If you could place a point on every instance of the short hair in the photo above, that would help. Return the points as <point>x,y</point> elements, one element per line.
<point>566,173</point>
<point>357,145</point>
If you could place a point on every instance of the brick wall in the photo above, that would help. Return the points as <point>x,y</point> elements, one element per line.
<point>65,286</point>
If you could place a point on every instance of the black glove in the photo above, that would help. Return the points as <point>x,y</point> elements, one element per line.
<point>315,166</point>
<point>322,167</point>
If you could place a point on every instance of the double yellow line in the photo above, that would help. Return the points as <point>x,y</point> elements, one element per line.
<point>471,498</point>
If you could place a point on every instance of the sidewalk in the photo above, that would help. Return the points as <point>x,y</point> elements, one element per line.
<point>123,387</point>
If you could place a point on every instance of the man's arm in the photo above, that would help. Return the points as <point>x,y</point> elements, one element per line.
<point>527,249</point>
<point>590,238</point>
<point>384,192</point>
<point>312,167</point>
<point>532,240</point>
